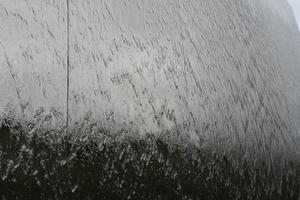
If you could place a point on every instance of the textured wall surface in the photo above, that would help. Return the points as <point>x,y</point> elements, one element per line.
<point>33,59</point>
<point>218,69</point>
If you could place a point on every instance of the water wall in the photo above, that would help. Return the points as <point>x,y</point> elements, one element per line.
<point>223,70</point>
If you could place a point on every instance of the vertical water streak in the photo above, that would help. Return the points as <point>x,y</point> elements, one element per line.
<point>68,63</point>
